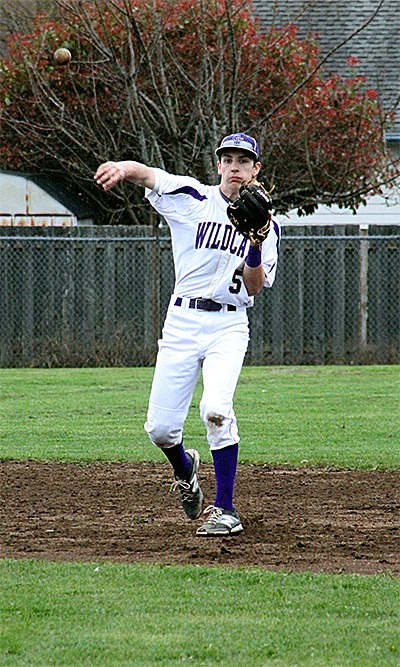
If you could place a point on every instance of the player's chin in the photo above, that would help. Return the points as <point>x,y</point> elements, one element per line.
<point>235,186</point>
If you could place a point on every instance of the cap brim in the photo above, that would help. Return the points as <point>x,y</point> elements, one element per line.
<point>219,151</point>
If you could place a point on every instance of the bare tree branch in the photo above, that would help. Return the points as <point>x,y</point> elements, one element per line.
<point>162,82</point>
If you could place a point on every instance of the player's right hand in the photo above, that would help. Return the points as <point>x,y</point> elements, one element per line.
<point>109,174</point>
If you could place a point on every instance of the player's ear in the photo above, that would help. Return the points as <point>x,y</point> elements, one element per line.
<point>256,168</point>
<point>219,168</point>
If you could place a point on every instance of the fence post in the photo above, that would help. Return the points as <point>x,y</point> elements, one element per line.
<point>338,286</point>
<point>109,293</point>
<point>5,304</point>
<point>318,309</point>
<point>27,300</point>
<point>363,289</point>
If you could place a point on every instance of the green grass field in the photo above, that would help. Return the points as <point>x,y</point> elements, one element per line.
<point>73,614</point>
<point>108,615</point>
<point>340,416</point>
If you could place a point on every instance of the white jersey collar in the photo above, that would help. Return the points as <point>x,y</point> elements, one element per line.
<point>224,197</point>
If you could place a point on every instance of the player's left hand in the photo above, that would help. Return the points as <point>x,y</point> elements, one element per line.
<point>251,212</point>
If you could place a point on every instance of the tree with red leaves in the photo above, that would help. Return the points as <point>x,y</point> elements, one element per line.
<point>163,82</point>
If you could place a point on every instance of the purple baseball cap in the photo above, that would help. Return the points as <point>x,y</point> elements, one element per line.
<point>242,141</point>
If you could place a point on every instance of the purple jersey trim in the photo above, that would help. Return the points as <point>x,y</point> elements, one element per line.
<point>278,236</point>
<point>187,190</point>
<point>224,197</point>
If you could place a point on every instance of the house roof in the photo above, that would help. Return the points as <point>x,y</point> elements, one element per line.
<point>377,46</point>
<point>62,192</point>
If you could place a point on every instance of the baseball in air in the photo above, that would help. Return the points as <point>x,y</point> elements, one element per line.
<point>62,56</point>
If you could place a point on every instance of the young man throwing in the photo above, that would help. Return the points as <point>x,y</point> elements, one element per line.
<point>217,274</point>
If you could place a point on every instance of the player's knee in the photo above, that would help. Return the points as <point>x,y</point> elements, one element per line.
<point>218,429</point>
<point>213,417</point>
<point>214,420</point>
<point>163,435</point>
<point>212,410</point>
<point>220,422</point>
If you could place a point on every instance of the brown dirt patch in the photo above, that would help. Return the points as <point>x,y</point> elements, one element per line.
<point>306,519</point>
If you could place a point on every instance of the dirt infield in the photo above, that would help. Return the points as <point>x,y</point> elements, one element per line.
<point>306,519</point>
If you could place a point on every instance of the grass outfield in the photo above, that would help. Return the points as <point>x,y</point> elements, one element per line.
<point>106,615</point>
<point>347,417</point>
<point>142,616</point>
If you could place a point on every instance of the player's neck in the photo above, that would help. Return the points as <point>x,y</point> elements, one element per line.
<point>224,196</point>
<point>230,195</point>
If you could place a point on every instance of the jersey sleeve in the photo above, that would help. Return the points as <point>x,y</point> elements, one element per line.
<point>174,195</point>
<point>270,253</point>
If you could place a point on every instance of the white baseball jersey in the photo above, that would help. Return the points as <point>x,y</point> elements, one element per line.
<point>209,253</point>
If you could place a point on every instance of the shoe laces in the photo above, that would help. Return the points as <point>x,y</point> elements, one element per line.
<point>215,513</point>
<point>185,489</point>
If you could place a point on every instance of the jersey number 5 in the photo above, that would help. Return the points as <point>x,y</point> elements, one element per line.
<point>236,282</point>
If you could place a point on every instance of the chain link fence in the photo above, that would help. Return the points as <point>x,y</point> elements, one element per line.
<point>98,296</point>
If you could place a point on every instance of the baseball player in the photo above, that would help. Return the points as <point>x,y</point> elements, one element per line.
<point>217,274</point>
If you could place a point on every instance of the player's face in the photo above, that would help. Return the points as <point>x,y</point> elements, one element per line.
<point>236,167</point>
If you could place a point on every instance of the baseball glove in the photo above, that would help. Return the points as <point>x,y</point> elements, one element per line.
<point>250,213</point>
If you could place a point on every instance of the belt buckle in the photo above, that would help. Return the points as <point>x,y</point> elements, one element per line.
<point>208,305</point>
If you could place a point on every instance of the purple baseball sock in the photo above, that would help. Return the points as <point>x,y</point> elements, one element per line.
<point>225,465</point>
<point>179,460</point>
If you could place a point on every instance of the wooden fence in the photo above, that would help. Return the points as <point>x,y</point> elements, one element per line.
<point>97,296</point>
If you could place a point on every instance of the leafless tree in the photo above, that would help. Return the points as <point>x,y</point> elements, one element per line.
<point>159,97</point>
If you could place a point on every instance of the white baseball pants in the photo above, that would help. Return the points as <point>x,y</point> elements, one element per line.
<point>195,340</point>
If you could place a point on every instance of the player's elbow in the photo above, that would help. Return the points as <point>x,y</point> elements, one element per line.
<point>254,280</point>
<point>255,290</point>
